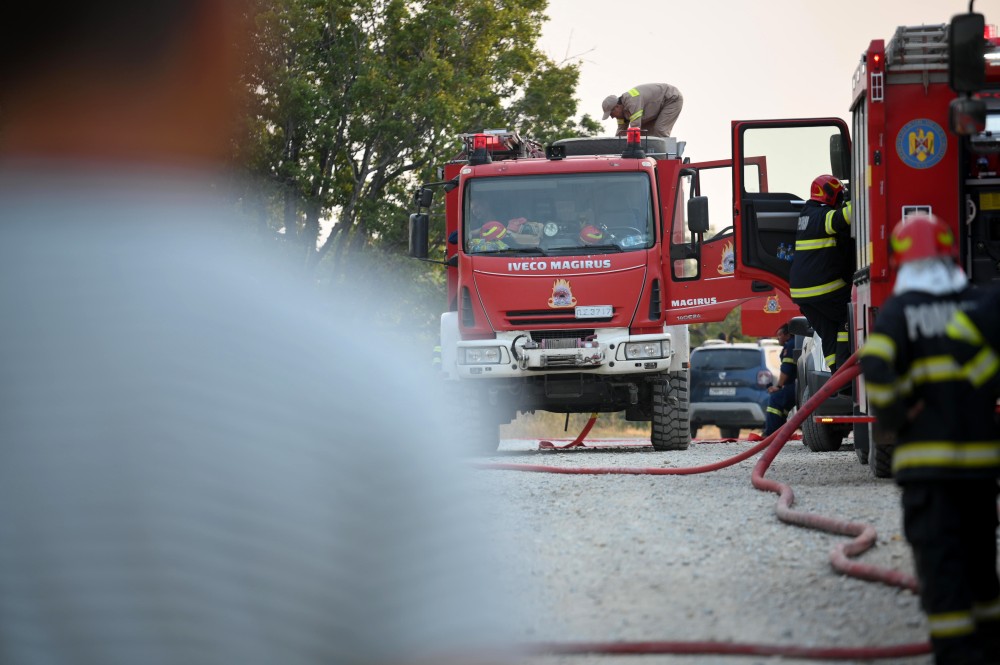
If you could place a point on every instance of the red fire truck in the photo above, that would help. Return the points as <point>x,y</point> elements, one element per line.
<point>904,160</point>
<point>572,276</point>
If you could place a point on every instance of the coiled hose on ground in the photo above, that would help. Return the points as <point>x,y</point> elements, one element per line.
<point>863,538</point>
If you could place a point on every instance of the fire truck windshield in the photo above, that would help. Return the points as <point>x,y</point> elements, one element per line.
<point>571,213</point>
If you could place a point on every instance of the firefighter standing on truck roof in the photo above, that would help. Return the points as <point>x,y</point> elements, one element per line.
<point>946,453</point>
<point>823,266</point>
<point>653,107</point>
<point>782,395</point>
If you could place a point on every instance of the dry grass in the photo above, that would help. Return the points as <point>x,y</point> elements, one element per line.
<point>543,425</point>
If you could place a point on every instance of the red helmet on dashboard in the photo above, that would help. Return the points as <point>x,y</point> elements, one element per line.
<point>493,230</point>
<point>591,235</point>
<point>921,236</point>
<point>827,189</point>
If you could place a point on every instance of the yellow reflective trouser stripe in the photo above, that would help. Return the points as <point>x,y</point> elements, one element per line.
<point>818,243</point>
<point>634,92</point>
<point>842,336</point>
<point>965,455</point>
<point>822,289</point>
<point>963,329</point>
<point>880,394</point>
<point>951,624</point>
<point>790,361</point>
<point>880,345</point>
<point>983,366</point>
<point>987,611</point>
<point>830,359</point>
<point>635,116</point>
<point>777,412</point>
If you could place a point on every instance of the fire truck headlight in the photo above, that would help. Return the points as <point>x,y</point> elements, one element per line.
<point>640,350</point>
<point>481,355</point>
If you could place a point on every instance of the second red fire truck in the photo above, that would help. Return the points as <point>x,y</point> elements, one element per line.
<point>905,159</point>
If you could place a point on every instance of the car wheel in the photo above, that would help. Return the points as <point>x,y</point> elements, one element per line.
<point>729,432</point>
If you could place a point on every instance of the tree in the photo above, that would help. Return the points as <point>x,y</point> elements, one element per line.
<point>354,101</point>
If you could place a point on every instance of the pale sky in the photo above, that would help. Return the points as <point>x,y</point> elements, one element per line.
<point>731,59</point>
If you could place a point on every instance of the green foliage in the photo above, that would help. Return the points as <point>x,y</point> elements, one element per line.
<point>352,102</point>
<point>730,327</point>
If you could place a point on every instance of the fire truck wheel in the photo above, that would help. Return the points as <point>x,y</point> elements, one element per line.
<point>880,461</point>
<point>820,438</point>
<point>478,424</point>
<point>862,441</point>
<point>671,414</point>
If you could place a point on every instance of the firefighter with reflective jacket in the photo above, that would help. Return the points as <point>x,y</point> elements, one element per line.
<point>946,452</point>
<point>782,397</point>
<point>823,266</point>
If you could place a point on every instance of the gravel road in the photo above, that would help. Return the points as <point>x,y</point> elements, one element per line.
<point>695,558</point>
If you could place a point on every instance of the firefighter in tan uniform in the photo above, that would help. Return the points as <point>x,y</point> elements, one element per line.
<point>653,107</point>
<point>946,455</point>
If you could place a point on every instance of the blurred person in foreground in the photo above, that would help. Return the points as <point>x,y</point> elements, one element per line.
<point>946,443</point>
<point>197,465</point>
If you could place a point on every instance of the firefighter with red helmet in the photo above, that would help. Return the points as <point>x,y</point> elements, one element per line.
<point>591,235</point>
<point>489,238</point>
<point>946,447</point>
<point>823,266</point>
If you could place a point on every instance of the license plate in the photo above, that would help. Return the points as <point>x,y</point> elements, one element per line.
<point>593,312</point>
<point>722,392</point>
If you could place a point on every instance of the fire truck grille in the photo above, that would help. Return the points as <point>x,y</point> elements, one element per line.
<point>560,339</point>
<point>521,318</point>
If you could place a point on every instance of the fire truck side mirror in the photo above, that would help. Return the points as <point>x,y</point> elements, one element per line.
<point>966,48</point>
<point>698,214</point>
<point>840,157</point>
<point>423,197</point>
<point>967,116</point>
<point>419,229</point>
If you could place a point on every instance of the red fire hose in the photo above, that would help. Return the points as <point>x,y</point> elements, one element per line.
<point>840,557</point>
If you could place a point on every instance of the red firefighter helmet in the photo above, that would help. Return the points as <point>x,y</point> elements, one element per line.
<point>493,230</point>
<point>827,189</point>
<point>921,236</point>
<point>591,235</point>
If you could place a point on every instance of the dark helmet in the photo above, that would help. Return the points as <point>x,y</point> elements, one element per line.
<point>827,189</point>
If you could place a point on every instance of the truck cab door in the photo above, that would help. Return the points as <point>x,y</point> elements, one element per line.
<point>698,264</point>
<point>775,162</point>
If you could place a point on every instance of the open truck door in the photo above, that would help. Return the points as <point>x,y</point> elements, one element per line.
<point>700,260</point>
<point>775,164</point>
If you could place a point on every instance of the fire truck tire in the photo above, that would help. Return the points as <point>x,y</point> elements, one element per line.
<point>671,413</point>
<point>820,438</point>
<point>880,461</point>
<point>861,439</point>
<point>478,424</point>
